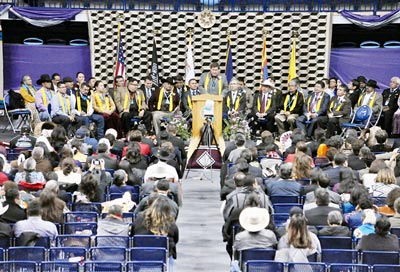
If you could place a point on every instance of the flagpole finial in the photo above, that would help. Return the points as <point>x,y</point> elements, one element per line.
<point>295,34</point>
<point>190,31</point>
<point>120,17</point>
<point>228,33</point>
<point>156,32</point>
<point>265,32</point>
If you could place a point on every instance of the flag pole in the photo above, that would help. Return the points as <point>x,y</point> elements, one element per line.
<point>120,17</point>
<point>154,60</point>
<point>292,64</point>
<point>263,56</point>
<point>189,63</point>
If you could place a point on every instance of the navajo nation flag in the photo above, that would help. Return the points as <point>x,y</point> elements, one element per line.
<point>120,65</point>
<point>228,63</point>
<point>264,62</point>
<point>154,64</point>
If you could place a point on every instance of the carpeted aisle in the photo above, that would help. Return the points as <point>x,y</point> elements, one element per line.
<point>200,246</point>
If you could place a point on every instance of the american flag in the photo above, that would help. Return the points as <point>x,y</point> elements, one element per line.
<point>120,65</point>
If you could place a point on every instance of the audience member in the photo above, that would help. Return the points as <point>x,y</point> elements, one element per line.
<point>285,185</point>
<point>381,239</point>
<point>52,208</point>
<point>29,175</point>
<point>335,228</point>
<point>113,224</point>
<point>385,182</point>
<point>318,216</point>
<point>395,220</point>
<point>388,209</point>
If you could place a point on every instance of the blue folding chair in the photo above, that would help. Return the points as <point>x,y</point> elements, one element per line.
<point>145,266</point>
<point>284,199</point>
<point>25,266</point>
<point>385,268</point>
<point>23,253</point>
<point>380,257</point>
<point>361,119</point>
<point>109,253</point>
<point>40,242</point>
<point>395,231</point>
<point>264,266</point>
<point>306,267</point>
<point>341,267</point>
<point>65,253</point>
<point>134,196</point>
<point>1,255</point>
<point>335,242</point>
<point>150,241</point>
<point>87,207</point>
<point>82,217</point>
<point>285,207</point>
<point>117,241</point>
<point>257,254</point>
<point>77,228</point>
<point>157,254</point>
<point>280,218</point>
<point>103,266</point>
<point>59,266</point>
<point>339,256</point>
<point>5,242</point>
<point>73,241</point>
<point>23,114</point>
<point>128,217</point>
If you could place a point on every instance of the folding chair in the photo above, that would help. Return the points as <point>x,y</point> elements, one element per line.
<point>306,267</point>
<point>335,242</point>
<point>24,114</point>
<point>380,257</point>
<point>73,241</point>
<point>103,266</point>
<point>1,255</point>
<point>145,266</point>
<point>117,241</point>
<point>280,218</point>
<point>340,267</point>
<point>338,256</point>
<point>5,242</point>
<point>82,217</point>
<point>284,199</point>
<point>77,228</point>
<point>150,241</point>
<point>41,242</point>
<point>59,266</point>
<point>33,254</point>
<point>87,207</point>
<point>109,253</point>
<point>264,266</point>
<point>157,254</point>
<point>66,253</point>
<point>25,266</point>
<point>385,268</point>
<point>395,231</point>
<point>285,207</point>
<point>361,119</point>
<point>257,254</point>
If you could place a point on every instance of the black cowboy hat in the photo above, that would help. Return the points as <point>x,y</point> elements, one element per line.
<point>164,155</point>
<point>372,83</point>
<point>168,79</point>
<point>43,78</point>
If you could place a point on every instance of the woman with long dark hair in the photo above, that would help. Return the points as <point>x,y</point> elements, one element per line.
<point>52,207</point>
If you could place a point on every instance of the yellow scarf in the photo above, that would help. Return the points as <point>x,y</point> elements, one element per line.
<point>268,104</point>
<point>160,99</point>
<point>138,100</point>
<point>44,96</point>
<point>286,103</point>
<point>208,81</point>
<point>371,100</point>
<point>100,103</point>
<point>78,102</point>
<point>60,98</point>
<point>189,102</point>
<point>318,103</point>
<point>228,102</point>
<point>333,104</point>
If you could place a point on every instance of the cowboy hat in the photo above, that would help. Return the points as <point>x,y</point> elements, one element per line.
<point>268,83</point>
<point>43,78</point>
<point>168,80</point>
<point>164,155</point>
<point>372,83</point>
<point>254,219</point>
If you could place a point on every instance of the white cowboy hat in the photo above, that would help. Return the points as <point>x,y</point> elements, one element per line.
<point>269,83</point>
<point>254,219</point>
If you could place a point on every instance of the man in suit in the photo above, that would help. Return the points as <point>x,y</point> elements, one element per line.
<point>177,142</point>
<point>163,103</point>
<point>264,107</point>
<point>213,82</point>
<point>187,97</point>
<point>354,161</point>
<point>339,111</point>
<point>339,161</point>
<point>103,149</point>
<point>315,106</point>
<point>390,106</point>
<point>372,99</point>
<point>119,87</point>
<point>363,84</point>
<point>290,108</point>
<point>55,78</point>
<point>180,86</point>
<point>43,97</point>
<point>235,100</point>
<point>318,216</point>
<point>148,88</point>
<point>354,92</point>
<point>323,181</point>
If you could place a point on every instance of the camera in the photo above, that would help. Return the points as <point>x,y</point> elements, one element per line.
<point>96,162</point>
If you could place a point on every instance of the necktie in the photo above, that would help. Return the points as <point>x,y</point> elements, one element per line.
<point>148,93</point>
<point>193,93</point>
<point>233,98</point>
<point>314,103</point>
<point>263,104</point>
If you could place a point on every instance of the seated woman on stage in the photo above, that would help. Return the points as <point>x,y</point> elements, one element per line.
<point>104,105</point>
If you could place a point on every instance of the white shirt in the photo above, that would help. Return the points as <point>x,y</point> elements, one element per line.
<point>366,99</point>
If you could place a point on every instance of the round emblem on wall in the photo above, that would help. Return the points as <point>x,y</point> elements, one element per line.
<point>206,19</point>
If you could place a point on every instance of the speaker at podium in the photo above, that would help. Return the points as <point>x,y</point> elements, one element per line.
<point>207,144</point>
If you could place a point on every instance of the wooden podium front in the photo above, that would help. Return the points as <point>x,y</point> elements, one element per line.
<point>198,121</point>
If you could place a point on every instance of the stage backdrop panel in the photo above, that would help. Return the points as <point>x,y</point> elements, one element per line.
<point>210,44</point>
<point>35,60</point>
<point>380,64</point>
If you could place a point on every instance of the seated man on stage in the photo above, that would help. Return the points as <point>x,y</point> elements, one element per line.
<point>290,108</point>
<point>213,82</point>
<point>187,96</point>
<point>264,107</point>
<point>85,109</point>
<point>316,105</point>
<point>339,111</point>
<point>63,108</point>
<point>163,103</point>
<point>235,101</point>
<point>42,99</point>
<point>372,99</point>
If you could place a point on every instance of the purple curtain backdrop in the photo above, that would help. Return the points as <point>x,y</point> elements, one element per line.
<point>34,60</point>
<point>368,18</point>
<point>47,13</point>
<point>380,64</point>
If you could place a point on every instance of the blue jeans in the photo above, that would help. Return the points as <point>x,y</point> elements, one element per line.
<point>99,120</point>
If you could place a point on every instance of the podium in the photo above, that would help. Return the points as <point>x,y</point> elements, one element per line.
<point>198,121</point>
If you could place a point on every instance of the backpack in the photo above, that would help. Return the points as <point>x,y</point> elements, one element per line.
<point>15,100</point>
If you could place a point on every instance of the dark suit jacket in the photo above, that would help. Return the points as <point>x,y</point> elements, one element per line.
<point>184,100</point>
<point>153,90</point>
<point>298,109</point>
<point>354,97</point>
<point>386,94</point>
<point>334,175</point>
<point>323,107</point>
<point>319,216</point>
<point>178,142</point>
<point>342,109</point>
<point>109,163</point>
<point>230,106</point>
<point>13,214</point>
<point>355,163</point>
<point>153,102</point>
<point>258,101</point>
